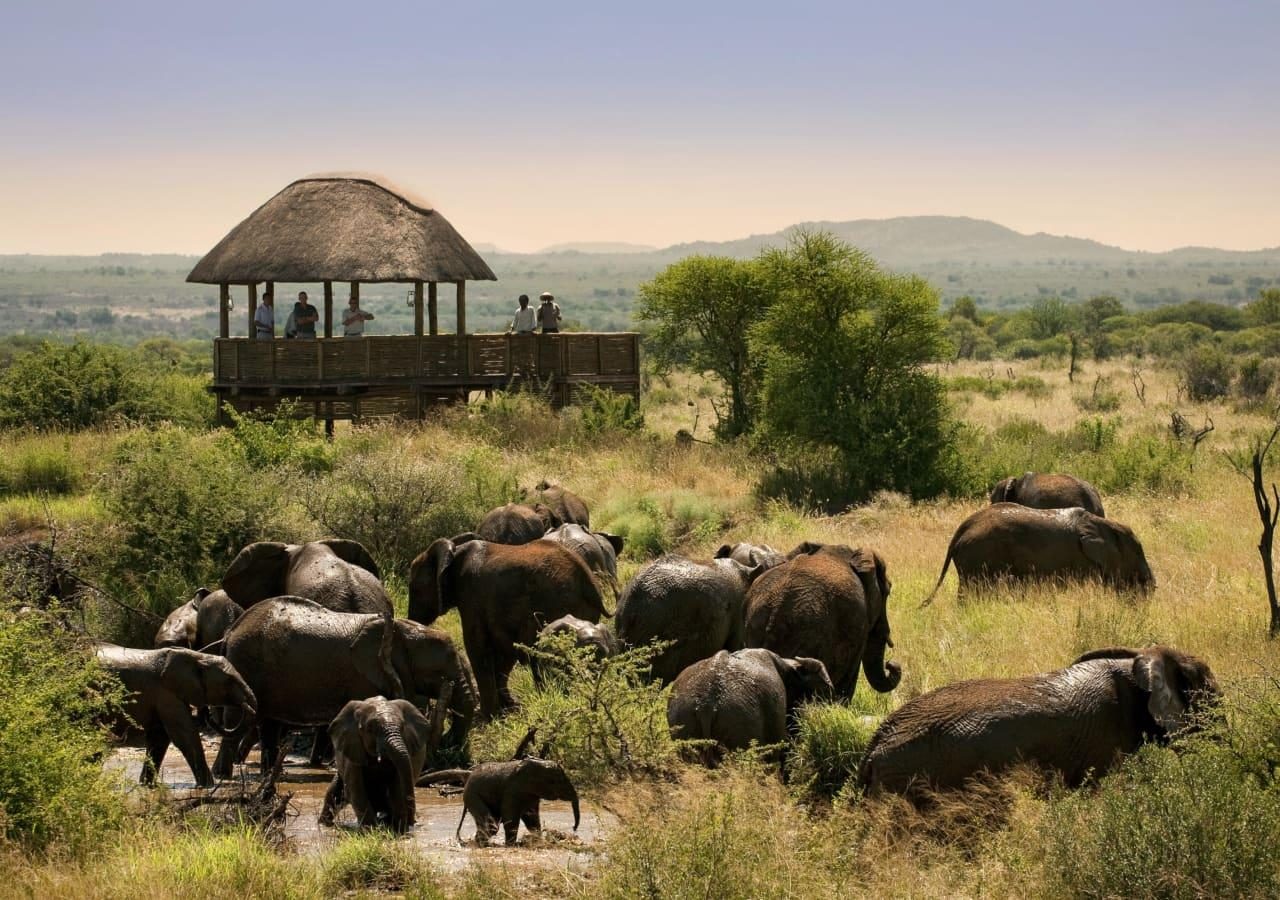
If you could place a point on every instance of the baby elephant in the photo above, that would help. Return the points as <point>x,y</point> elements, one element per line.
<point>737,698</point>
<point>162,687</point>
<point>508,793</point>
<point>585,634</point>
<point>1074,722</point>
<point>379,748</point>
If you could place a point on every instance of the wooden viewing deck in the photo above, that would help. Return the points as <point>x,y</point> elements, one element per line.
<point>404,375</point>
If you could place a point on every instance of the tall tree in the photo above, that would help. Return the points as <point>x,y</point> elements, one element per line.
<point>703,308</point>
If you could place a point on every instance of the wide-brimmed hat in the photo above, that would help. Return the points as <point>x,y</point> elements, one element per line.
<point>546,295</point>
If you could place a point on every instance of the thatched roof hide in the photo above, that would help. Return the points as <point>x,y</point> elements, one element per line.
<point>341,229</point>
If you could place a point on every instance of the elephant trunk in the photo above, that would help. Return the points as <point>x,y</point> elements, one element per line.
<point>882,676</point>
<point>463,708</point>
<point>392,749</point>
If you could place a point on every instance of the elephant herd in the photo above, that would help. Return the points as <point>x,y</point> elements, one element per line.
<point>304,636</point>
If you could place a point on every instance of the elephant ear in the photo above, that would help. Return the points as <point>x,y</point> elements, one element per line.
<point>548,515</point>
<point>1094,543</point>
<point>1003,491</point>
<point>344,731</point>
<point>1108,653</point>
<point>257,573</point>
<point>417,727</point>
<point>201,593</point>
<point>1155,673</point>
<point>724,552</point>
<point>181,675</point>
<point>616,542</point>
<point>353,552</point>
<point>428,598</point>
<point>808,548</point>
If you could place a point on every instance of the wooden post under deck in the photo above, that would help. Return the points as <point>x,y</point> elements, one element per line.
<point>433,311</point>
<point>224,313</point>
<point>417,308</point>
<point>328,308</point>
<point>462,307</point>
<point>252,288</point>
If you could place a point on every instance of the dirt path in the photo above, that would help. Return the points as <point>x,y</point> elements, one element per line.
<point>437,817</point>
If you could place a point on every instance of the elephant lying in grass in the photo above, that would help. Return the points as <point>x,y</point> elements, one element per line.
<point>162,687</point>
<point>508,793</point>
<point>1011,541</point>
<point>1045,491</point>
<point>1076,722</point>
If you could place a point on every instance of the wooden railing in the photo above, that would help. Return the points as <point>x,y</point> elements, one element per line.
<point>474,359</point>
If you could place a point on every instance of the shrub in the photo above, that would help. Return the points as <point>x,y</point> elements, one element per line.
<point>373,861</point>
<point>829,747</point>
<point>601,410</point>
<point>1257,378</point>
<point>53,791</point>
<point>41,466</point>
<point>1206,373</point>
<point>69,386</point>
<point>1102,398</point>
<point>279,439</point>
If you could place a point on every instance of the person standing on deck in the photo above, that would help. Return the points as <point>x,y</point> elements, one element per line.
<point>549,314</point>
<point>525,320</point>
<point>305,318</point>
<point>354,318</point>
<point>264,319</point>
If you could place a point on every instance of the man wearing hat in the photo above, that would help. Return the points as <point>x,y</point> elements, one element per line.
<point>549,314</point>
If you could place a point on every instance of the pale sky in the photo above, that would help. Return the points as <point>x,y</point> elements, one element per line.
<point>156,127</point>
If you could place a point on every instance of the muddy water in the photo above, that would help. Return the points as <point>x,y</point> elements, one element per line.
<point>437,817</point>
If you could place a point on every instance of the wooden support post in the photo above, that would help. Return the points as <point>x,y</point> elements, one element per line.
<point>462,307</point>
<point>433,311</point>
<point>253,310</point>
<point>417,308</point>
<point>224,310</point>
<point>328,308</point>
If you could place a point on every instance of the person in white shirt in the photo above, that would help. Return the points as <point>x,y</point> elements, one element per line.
<point>354,318</point>
<point>525,320</point>
<point>264,319</point>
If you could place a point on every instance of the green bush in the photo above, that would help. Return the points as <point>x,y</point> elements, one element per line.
<point>184,505</point>
<point>1206,373</point>
<point>375,861</point>
<point>53,791</point>
<point>279,439</point>
<point>1169,825</point>
<point>829,747</point>
<point>653,524</point>
<point>601,411</point>
<point>1257,377</point>
<point>45,466</point>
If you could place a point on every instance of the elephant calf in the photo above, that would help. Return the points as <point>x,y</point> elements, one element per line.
<point>585,634</point>
<point>162,687</point>
<point>737,698</point>
<point>1075,722</point>
<point>379,748</point>
<point>508,793</point>
<point>1008,540</point>
<point>1045,491</point>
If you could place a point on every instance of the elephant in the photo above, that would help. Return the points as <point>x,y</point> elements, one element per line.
<point>504,595</point>
<point>379,747</point>
<point>179,627</point>
<point>508,793</point>
<point>598,549</point>
<point>517,523</point>
<point>567,506</point>
<point>1044,491</point>
<point>830,602</point>
<point>304,662</point>
<point>697,606</point>
<point>1075,722</point>
<point>737,698</point>
<point>751,554</point>
<point>1009,540</point>
<point>585,634</point>
<point>162,686</point>
<point>338,574</point>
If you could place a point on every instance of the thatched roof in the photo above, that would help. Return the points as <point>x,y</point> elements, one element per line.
<point>341,229</point>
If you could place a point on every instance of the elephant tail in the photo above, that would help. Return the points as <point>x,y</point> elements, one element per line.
<point>946,564</point>
<point>457,832</point>
<point>445,776</point>
<point>384,655</point>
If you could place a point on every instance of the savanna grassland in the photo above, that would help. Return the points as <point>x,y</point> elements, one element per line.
<point>1203,821</point>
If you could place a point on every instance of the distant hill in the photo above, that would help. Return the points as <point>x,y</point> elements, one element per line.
<point>610,247</point>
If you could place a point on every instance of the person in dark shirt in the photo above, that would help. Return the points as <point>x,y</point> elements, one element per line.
<point>305,317</point>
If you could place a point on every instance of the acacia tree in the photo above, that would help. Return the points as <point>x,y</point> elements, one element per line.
<point>703,308</point>
<point>844,346</point>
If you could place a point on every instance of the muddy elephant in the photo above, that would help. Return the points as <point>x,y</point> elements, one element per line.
<point>517,523</point>
<point>200,621</point>
<point>598,549</point>
<point>379,748</point>
<point>568,506</point>
<point>737,698</point>
<point>162,687</point>
<point>305,662</point>
<point>585,634</point>
<point>179,627</point>
<point>696,606</point>
<point>751,554</point>
<point>830,602</point>
<point>1016,542</point>
<point>504,594</point>
<point>1046,491</point>
<point>338,574</point>
<point>508,793</point>
<point>1074,722</point>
